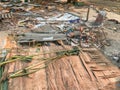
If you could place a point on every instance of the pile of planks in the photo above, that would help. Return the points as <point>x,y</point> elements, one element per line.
<point>89,70</point>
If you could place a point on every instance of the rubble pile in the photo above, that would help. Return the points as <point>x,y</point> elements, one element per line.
<point>40,23</point>
<point>57,38</point>
<point>34,22</point>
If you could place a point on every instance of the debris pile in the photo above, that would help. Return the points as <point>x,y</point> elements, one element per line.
<point>43,35</point>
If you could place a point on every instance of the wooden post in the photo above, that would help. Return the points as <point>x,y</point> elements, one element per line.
<point>87,14</point>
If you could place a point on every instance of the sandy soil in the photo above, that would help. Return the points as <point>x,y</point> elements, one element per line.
<point>111,28</point>
<point>109,5</point>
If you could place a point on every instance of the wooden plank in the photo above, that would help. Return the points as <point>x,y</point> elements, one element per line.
<point>87,68</point>
<point>81,74</point>
<point>54,69</point>
<point>66,70</point>
<point>69,79</point>
<point>39,77</point>
<point>67,73</point>
<point>87,57</point>
<point>50,76</point>
<point>102,81</point>
<point>89,49</point>
<point>26,83</point>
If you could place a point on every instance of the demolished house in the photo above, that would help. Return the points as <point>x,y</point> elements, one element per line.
<point>44,47</point>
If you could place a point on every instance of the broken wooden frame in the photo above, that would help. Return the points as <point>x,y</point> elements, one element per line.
<point>29,37</point>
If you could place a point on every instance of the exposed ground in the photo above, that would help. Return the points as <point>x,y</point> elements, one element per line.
<point>112,27</point>
<point>109,5</point>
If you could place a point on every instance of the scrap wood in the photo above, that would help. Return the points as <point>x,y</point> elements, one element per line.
<point>94,56</point>
<point>92,65</point>
<point>111,76</point>
<point>87,68</point>
<point>105,80</point>
<point>86,57</point>
<point>31,69</point>
<point>97,74</point>
<point>27,37</point>
<point>62,44</point>
<point>102,82</point>
<point>81,73</point>
<point>96,67</point>
<point>89,49</point>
